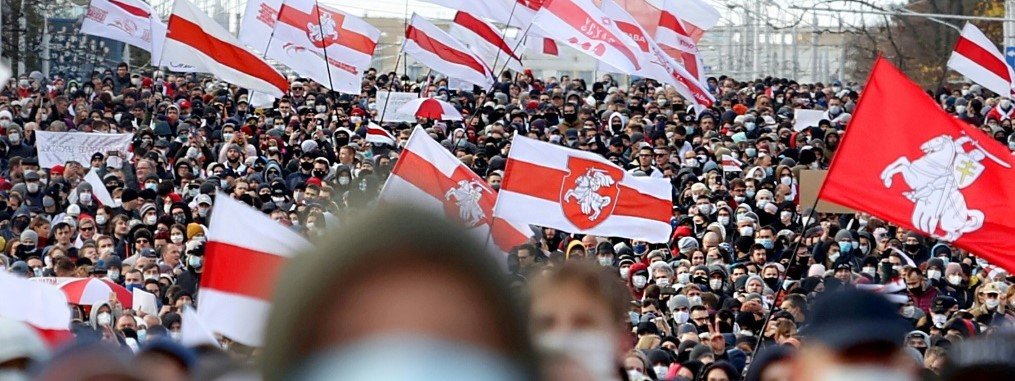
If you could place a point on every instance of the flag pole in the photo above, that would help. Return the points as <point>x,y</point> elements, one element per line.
<point>503,35</point>
<point>792,258</point>
<point>324,44</point>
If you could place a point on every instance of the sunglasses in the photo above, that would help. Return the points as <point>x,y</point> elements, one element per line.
<point>141,240</point>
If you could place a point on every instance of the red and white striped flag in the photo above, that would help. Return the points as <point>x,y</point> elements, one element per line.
<point>427,174</point>
<point>486,40</point>
<point>581,192</point>
<point>378,135</point>
<point>731,164</point>
<point>99,191</point>
<point>979,60</point>
<point>41,305</point>
<point>659,66</point>
<point>308,35</point>
<point>696,16</point>
<point>435,48</point>
<point>675,36</point>
<point>246,249</point>
<point>580,25</point>
<point>195,39</point>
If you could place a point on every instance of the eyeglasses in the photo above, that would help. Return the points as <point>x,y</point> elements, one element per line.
<point>87,228</point>
<point>141,240</point>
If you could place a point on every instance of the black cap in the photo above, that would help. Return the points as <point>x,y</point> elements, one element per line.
<point>848,318</point>
<point>943,303</point>
<point>128,195</point>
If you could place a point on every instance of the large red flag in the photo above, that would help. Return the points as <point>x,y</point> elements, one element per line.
<point>905,160</point>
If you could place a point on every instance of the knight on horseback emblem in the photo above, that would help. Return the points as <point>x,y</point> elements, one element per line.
<point>936,181</point>
<point>467,196</point>
<point>586,192</point>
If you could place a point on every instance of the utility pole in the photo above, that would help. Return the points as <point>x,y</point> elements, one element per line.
<point>814,48</point>
<point>796,54</point>
<point>1009,23</point>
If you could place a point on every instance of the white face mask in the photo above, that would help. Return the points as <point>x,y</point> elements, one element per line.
<point>639,281</point>
<point>684,278</point>
<point>624,271</point>
<point>833,257</point>
<point>176,238</point>
<point>939,320</point>
<point>934,274</point>
<point>868,270</point>
<point>715,284</point>
<point>992,303</point>
<point>104,318</point>
<point>723,220</point>
<point>661,370</point>
<point>592,348</point>
<point>954,280</point>
<point>786,180</point>
<point>663,282</point>
<point>100,219</point>
<point>150,220</point>
<point>681,317</point>
<point>747,231</point>
<point>908,311</point>
<point>694,300</point>
<point>32,187</point>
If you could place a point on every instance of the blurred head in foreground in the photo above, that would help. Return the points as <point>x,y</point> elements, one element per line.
<point>401,295</point>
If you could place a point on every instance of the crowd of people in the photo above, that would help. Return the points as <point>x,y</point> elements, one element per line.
<point>752,285</point>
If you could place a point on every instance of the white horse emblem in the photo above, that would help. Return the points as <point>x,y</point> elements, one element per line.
<point>467,195</point>
<point>586,191</point>
<point>327,28</point>
<point>936,180</point>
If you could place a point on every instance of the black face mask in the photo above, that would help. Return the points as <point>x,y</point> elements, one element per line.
<point>772,283</point>
<point>911,248</point>
<point>320,174</point>
<point>306,166</point>
<point>265,197</point>
<point>570,117</point>
<point>20,224</point>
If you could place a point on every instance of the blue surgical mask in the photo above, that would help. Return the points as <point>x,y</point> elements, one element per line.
<point>640,248</point>
<point>845,246</point>
<point>767,243</point>
<point>409,359</point>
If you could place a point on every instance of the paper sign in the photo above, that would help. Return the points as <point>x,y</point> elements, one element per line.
<point>810,184</point>
<point>57,148</point>
<point>803,119</point>
<point>396,101</point>
<point>144,301</point>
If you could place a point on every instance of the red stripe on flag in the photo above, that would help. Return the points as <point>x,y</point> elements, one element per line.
<point>633,203</point>
<point>982,57</point>
<point>669,21</point>
<point>131,9</point>
<point>235,57</point>
<point>242,271</point>
<point>538,181</point>
<point>419,172</point>
<point>576,17</point>
<point>443,51</point>
<point>347,38</point>
<point>691,63</point>
<point>505,235</point>
<point>484,31</point>
<point>550,47</point>
<point>544,183</point>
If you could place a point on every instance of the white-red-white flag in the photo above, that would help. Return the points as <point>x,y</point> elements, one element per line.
<point>129,21</point>
<point>486,40</point>
<point>677,37</point>
<point>659,66</point>
<point>580,25</point>
<point>697,16</point>
<point>99,191</point>
<point>195,39</point>
<point>245,251</point>
<point>309,38</point>
<point>581,192</point>
<point>979,60</point>
<point>378,135</point>
<point>437,49</point>
<point>429,175</point>
<point>41,305</point>
<point>731,164</point>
